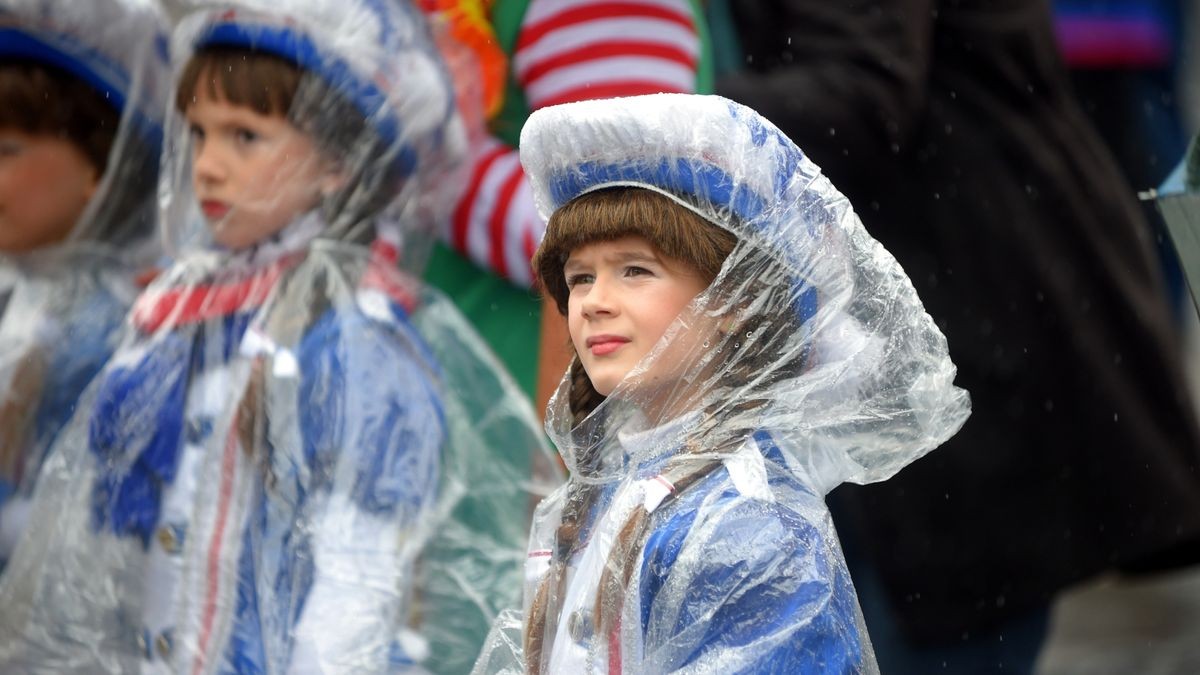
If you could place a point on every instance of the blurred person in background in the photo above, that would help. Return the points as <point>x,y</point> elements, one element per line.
<point>80,131</point>
<point>1124,57</point>
<point>952,127</point>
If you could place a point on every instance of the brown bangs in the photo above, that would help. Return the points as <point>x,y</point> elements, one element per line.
<point>264,83</point>
<point>612,213</point>
<point>39,100</point>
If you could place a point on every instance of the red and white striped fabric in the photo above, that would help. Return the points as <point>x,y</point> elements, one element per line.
<point>569,50</point>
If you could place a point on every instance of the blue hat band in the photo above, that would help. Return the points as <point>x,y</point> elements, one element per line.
<point>66,55</point>
<point>682,176</point>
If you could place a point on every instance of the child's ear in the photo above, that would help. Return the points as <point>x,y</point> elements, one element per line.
<point>334,180</point>
<point>91,183</point>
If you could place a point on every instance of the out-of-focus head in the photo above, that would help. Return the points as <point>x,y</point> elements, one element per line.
<point>80,120</point>
<point>256,165</point>
<point>346,102</point>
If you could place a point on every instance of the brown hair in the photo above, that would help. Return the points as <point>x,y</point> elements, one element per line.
<point>605,215</point>
<point>264,83</point>
<point>273,85</point>
<point>41,100</point>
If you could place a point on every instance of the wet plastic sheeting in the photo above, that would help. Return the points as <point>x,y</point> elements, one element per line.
<point>62,305</point>
<point>299,459</point>
<point>1179,202</point>
<point>693,532</point>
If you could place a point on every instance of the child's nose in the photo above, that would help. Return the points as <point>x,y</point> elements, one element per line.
<point>207,164</point>
<point>599,300</point>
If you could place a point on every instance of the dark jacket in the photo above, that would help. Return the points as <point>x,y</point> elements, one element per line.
<point>950,126</point>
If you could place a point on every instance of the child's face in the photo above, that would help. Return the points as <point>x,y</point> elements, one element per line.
<point>623,296</point>
<point>45,184</point>
<point>252,173</point>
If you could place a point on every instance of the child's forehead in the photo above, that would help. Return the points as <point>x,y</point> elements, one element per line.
<point>623,248</point>
<point>220,107</point>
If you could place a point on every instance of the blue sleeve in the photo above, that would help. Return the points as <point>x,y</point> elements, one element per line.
<point>134,432</point>
<point>763,574</point>
<point>366,389</point>
<point>85,345</point>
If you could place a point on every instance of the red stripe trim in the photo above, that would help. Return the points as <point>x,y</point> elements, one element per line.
<point>499,216</point>
<point>665,483</point>
<point>228,467</point>
<point>192,304</point>
<point>600,10</point>
<point>543,553</point>
<point>614,646</point>
<point>610,90</point>
<point>462,214</point>
<point>398,286</point>
<point>609,49</point>
<point>385,251</point>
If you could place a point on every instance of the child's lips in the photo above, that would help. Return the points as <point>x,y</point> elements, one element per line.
<point>214,209</point>
<point>601,345</point>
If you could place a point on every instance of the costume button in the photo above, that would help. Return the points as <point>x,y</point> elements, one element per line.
<point>579,625</point>
<point>163,644</point>
<point>170,537</point>
<point>143,643</point>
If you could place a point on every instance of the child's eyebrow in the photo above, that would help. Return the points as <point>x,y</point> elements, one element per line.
<point>634,256</point>
<point>619,257</point>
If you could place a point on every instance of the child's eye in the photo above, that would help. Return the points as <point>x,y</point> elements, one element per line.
<point>576,279</point>
<point>9,148</point>
<point>245,136</point>
<point>196,133</point>
<point>635,271</point>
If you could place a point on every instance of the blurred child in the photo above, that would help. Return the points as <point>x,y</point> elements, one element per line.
<point>742,346</point>
<point>80,128</point>
<point>264,458</point>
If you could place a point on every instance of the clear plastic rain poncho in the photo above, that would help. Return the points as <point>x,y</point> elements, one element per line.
<point>300,460</point>
<point>62,304</point>
<point>693,534</point>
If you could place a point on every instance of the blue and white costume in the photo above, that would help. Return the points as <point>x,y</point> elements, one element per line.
<point>283,542</point>
<point>693,535</point>
<point>270,474</point>
<point>62,306</point>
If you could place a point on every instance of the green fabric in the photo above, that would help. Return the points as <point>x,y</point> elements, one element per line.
<point>507,16</point>
<point>726,45</point>
<point>704,69</point>
<point>509,318</point>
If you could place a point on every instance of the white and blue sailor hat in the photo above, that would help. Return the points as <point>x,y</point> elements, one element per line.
<point>718,158</point>
<point>376,54</point>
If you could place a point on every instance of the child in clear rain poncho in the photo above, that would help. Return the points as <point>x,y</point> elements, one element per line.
<point>81,98</point>
<point>280,470</point>
<point>742,347</point>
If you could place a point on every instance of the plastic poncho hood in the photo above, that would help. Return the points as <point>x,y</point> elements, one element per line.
<point>832,351</point>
